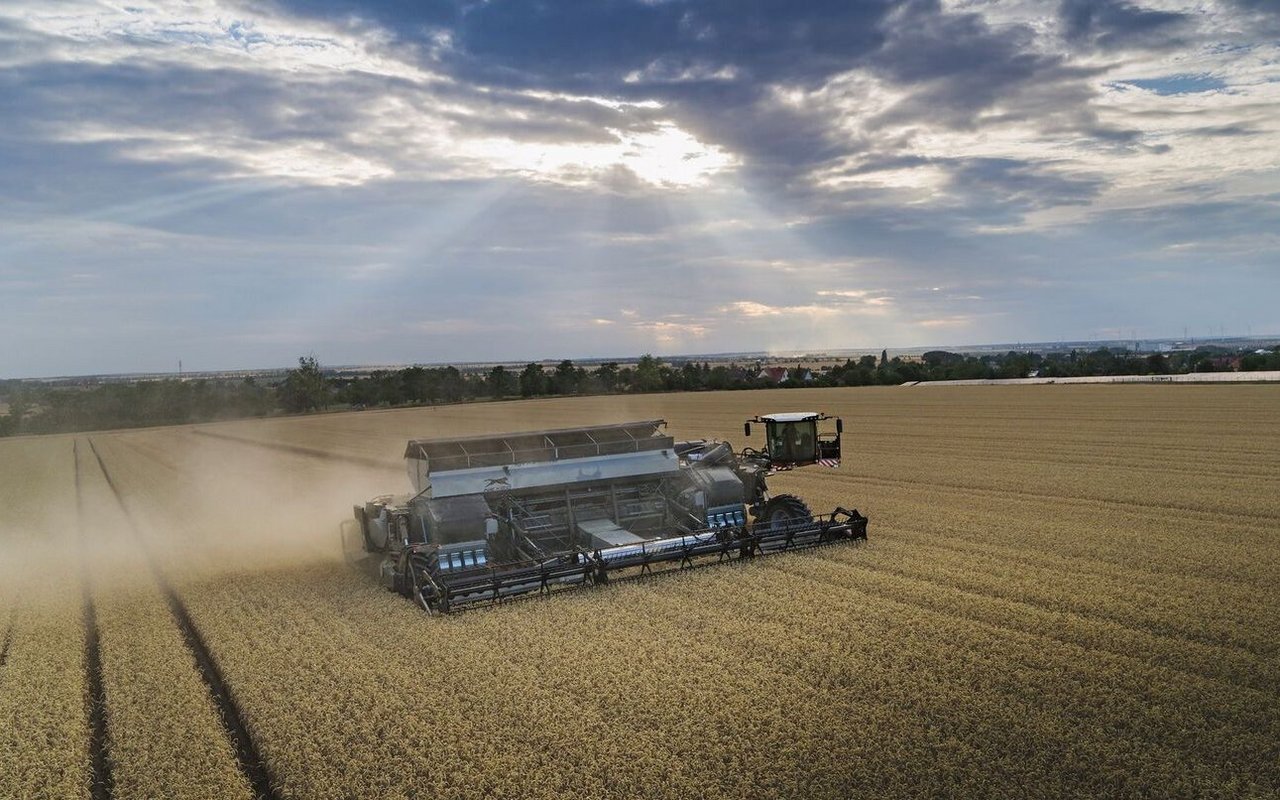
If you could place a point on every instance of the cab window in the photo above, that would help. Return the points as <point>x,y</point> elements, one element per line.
<point>791,441</point>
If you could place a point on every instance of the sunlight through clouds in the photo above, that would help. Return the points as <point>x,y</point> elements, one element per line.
<point>667,156</point>
<point>401,179</point>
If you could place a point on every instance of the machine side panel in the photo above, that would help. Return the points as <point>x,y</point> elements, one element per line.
<point>520,477</point>
<point>419,474</point>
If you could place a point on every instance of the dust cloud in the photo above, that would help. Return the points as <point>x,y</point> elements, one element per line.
<point>183,506</point>
<point>211,505</point>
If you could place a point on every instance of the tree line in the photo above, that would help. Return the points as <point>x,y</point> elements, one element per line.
<point>309,387</point>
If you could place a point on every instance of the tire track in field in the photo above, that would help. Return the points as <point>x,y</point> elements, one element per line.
<point>102,786</point>
<point>10,624</point>
<point>1251,471</point>
<point>297,449</point>
<point>969,547</point>
<point>4,648</point>
<point>1186,642</point>
<point>1262,520</point>
<point>248,754</point>
<point>1004,629</point>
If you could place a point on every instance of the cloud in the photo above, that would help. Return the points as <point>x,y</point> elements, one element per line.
<point>669,333</point>
<point>833,303</point>
<point>315,102</point>
<point>721,175</point>
<point>957,321</point>
<point>1114,24</point>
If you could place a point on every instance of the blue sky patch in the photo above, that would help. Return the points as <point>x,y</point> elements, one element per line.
<point>1179,84</point>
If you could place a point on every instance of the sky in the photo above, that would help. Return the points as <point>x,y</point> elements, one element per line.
<point>236,184</point>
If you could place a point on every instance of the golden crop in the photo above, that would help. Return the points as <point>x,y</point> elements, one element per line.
<point>164,737</point>
<point>43,722</point>
<point>1068,592</point>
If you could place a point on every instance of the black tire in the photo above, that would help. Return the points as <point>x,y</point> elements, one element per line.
<point>783,511</point>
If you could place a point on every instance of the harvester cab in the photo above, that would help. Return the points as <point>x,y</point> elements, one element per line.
<point>502,515</point>
<point>792,439</point>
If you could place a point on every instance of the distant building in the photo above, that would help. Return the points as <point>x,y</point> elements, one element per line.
<point>774,374</point>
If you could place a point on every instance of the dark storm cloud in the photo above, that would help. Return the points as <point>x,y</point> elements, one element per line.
<point>588,44</point>
<point>1014,186</point>
<point>1113,24</point>
<point>43,96</point>
<point>515,68</point>
<point>1203,220</point>
<point>714,66</point>
<point>956,67</point>
<point>710,64</point>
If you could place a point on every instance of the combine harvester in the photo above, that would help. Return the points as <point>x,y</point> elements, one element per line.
<point>494,517</point>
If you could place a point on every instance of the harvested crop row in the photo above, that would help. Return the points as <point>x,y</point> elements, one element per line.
<point>986,643</point>
<point>1205,620</point>
<point>44,732</point>
<point>1224,549</point>
<point>1157,722</point>
<point>933,590</point>
<point>1102,608</point>
<point>165,738</point>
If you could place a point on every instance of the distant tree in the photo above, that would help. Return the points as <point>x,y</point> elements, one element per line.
<point>417,385</point>
<point>1254,362</point>
<point>607,375</point>
<point>648,375</point>
<point>500,383</point>
<point>721,377</point>
<point>453,387</point>
<point>565,378</point>
<point>19,405</point>
<point>1202,361</point>
<point>304,388</point>
<point>690,376</point>
<point>532,380</point>
<point>941,358</point>
<point>910,371</point>
<point>1015,365</point>
<point>884,359</point>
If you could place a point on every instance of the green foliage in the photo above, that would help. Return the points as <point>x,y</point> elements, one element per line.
<point>501,383</point>
<point>533,380</point>
<point>1256,362</point>
<point>130,405</point>
<point>304,388</point>
<point>606,376</point>
<point>307,388</point>
<point>566,378</point>
<point>648,377</point>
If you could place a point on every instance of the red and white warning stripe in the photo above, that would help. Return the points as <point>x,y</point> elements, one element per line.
<point>829,462</point>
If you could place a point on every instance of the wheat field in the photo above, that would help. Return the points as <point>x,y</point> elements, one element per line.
<point>1069,591</point>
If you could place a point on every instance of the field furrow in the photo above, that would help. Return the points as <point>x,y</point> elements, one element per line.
<point>162,734</point>
<point>1069,591</point>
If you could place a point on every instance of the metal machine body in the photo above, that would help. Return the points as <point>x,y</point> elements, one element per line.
<point>492,517</point>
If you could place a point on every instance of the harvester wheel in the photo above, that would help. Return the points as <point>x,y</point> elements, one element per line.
<point>783,511</point>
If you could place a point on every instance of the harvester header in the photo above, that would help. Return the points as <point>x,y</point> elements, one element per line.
<point>530,457</point>
<point>497,516</point>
